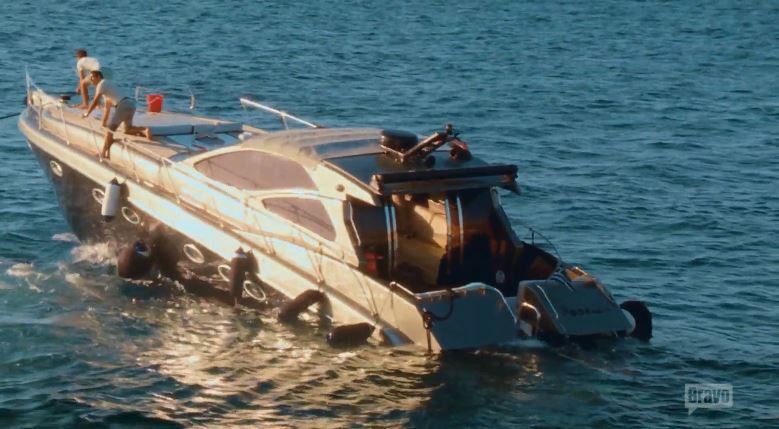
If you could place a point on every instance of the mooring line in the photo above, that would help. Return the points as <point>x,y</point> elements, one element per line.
<point>10,116</point>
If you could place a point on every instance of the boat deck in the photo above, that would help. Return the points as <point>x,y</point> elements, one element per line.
<point>175,135</point>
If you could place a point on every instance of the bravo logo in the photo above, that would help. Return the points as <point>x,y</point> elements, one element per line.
<point>707,396</point>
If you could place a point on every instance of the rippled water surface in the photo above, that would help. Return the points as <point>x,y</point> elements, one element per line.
<point>647,135</point>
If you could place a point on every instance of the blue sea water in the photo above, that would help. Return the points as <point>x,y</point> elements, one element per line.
<point>647,135</point>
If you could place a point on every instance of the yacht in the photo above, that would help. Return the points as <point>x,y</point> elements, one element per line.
<point>386,236</point>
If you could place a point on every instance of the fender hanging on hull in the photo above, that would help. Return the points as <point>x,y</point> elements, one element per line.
<point>350,335</point>
<point>134,261</point>
<point>111,196</point>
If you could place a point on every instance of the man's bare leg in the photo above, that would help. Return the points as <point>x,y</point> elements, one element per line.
<point>109,140</point>
<point>139,131</point>
<point>84,91</point>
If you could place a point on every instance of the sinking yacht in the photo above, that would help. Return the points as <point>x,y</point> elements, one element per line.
<point>385,235</point>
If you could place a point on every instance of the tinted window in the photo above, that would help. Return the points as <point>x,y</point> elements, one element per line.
<point>309,214</point>
<point>255,171</point>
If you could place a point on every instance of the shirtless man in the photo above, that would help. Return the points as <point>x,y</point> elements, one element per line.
<point>125,109</point>
<point>84,65</point>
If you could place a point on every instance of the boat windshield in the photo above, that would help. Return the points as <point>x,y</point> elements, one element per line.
<point>253,170</point>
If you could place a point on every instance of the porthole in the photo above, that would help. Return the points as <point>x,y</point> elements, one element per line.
<point>55,168</point>
<point>130,215</point>
<point>193,253</point>
<point>224,272</point>
<point>98,194</point>
<point>252,289</point>
<point>255,291</point>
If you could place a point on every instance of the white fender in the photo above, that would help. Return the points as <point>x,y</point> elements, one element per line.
<point>110,200</point>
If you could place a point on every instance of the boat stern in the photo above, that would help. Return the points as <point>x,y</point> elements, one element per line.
<point>563,308</point>
<point>466,317</point>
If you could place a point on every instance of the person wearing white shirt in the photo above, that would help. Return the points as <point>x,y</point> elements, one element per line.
<point>84,66</point>
<point>124,112</point>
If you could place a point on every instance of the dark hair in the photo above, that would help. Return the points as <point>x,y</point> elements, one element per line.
<point>81,53</point>
<point>97,73</point>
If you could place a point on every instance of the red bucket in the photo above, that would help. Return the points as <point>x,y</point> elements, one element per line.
<point>154,103</point>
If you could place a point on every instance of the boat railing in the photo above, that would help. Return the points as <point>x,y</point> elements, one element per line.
<point>31,87</point>
<point>546,243</point>
<point>284,117</point>
<point>59,105</point>
<point>91,131</point>
<point>62,116</point>
<point>531,233</point>
<point>211,205</point>
<point>290,193</point>
<point>184,92</point>
<point>133,145</point>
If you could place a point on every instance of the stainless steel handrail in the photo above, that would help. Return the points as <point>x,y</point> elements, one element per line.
<point>187,93</point>
<point>283,116</point>
<point>62,115</point>
<point>498,205</point>
<point>129,145</point>
<point>302,193</point>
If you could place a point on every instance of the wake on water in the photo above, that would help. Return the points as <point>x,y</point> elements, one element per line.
<point>21,269</point>
<point>101,254</point>
<point>96,254</point>
<point>36,278</point>
<point>67,237</point>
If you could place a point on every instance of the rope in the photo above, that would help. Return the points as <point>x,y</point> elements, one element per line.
<point>392,287</point>
<point>436,318</point>
<point>428,318</point>
<point>10,116</point>
<point>427,326</point>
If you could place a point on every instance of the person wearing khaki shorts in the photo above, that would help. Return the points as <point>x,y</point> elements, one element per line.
<point>124,111</point>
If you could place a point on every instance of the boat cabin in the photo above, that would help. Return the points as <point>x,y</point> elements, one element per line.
<point>428,225</point>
